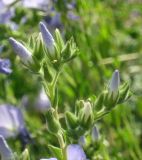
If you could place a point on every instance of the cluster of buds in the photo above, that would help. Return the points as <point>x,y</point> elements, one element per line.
<point>80,121</point>
<point>87,112</point>
<point>44,51</point>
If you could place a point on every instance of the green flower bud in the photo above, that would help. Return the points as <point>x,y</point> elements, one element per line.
<point>52,123</point>
<point>86,115</point>
<point>78,106</point>
<point>71,120</point>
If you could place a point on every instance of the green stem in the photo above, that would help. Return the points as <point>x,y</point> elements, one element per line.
<point>62,144</point>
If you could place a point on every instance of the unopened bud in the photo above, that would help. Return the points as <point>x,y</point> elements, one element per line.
<point>95,134</point>
<point>47,37</point>
<point>115,82</point>
<point>86,115</point>
<point>21,51</point>
<point>53,124</point>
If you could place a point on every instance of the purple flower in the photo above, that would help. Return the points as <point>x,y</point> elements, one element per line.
<point>47,37</point>
<point>75,152</point>
<point>21,51</point>
<point>5,66</point>
<point>115,82</point>
<point>11,121</point>
<point>5,151</point>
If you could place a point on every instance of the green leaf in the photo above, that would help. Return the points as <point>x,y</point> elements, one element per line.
<point>57,152</point>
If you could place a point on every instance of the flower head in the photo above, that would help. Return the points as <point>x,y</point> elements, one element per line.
<point>11,121</point>
<point>47,37</point>
<point>21,50</point>
<point>5,66</point>
<point>115,81</point>
<point>75,152</point>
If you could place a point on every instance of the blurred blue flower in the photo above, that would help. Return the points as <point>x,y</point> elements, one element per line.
<point>37,4</point>
<point>12,124</point>
<point>21,51</point>
<point>47,37</point>
<point>6,14</point>
<point>5,66</point>
<point>115,82</point>
<point>54,20</point>
<point>11,121</point>
<point>5,151</point>
<point>75,152</point>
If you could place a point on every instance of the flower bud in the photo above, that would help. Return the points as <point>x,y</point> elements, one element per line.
<point>71,120</point>
<point>115,82</point>
<point>86,115</point>
<point>95,134</point>
<point>21,51</point>
<point>47,37</point>
<point>82,140</point>
<point>53,124</point>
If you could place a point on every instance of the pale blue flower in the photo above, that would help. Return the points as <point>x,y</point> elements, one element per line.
<point>47,37</point>
<point>115,82</point>
<point>11,121</point>
<point>75,152</point>
<point>5,66</point>
<point>5,151</point>
<point>21,51</point>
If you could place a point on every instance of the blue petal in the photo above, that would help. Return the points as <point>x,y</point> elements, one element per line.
<point>75,152</point>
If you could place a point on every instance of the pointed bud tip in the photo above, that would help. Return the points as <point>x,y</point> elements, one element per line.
<point>115,81</point>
